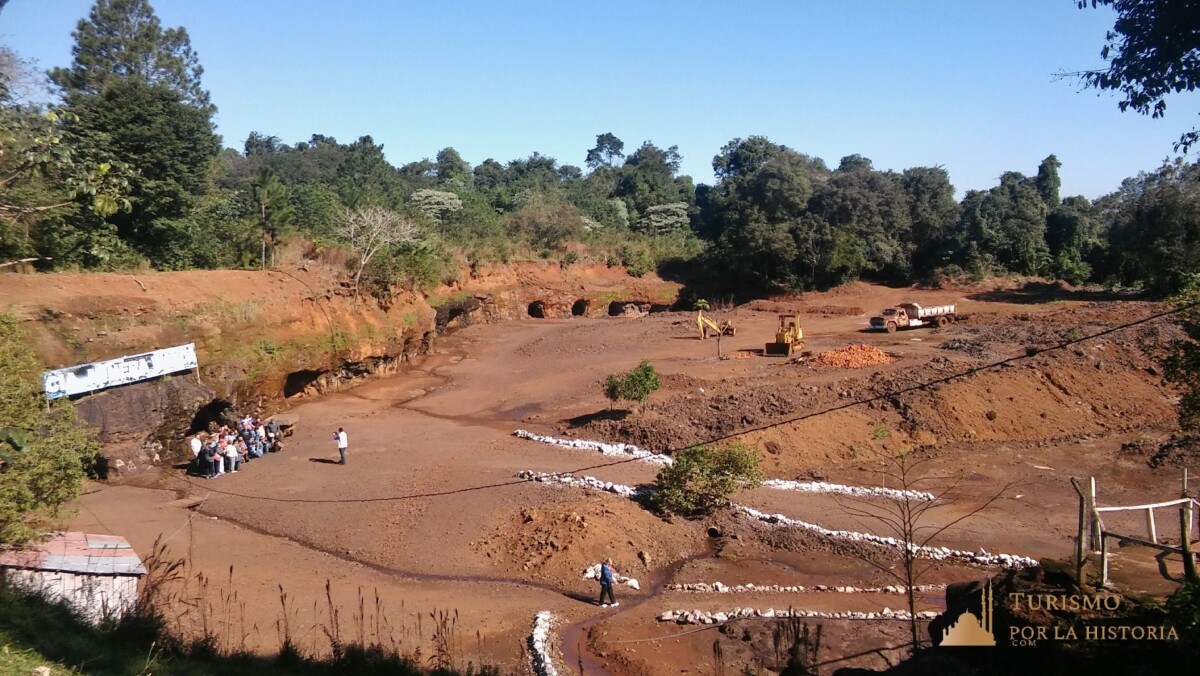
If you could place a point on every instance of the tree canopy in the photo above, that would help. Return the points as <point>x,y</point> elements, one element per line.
<point>42,448</point>
<point>1153,51</point>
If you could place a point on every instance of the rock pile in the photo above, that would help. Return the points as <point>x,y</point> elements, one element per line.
<point>981,557</point>
<point>581,482</point>
<point>539,645</point>
<point>627,450</point>
<point>750,587</point>
<point>702,617</point>
<point>852,357</point>
<point>857,491</point>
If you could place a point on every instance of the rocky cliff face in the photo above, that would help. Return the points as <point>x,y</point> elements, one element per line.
<point>264,338</point>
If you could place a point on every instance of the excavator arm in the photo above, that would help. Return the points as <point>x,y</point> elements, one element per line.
<point>706,325</point>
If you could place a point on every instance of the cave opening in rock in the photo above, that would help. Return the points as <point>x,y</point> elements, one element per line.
<point>298,381</point>
<point>216,411</point>
<point>580,308</point>
<point>616,308</point>
<point>537,309</point>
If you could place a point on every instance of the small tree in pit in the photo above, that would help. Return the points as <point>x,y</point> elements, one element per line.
<point>703,478</point>
<point>636,385</point>
<point>908,519</point>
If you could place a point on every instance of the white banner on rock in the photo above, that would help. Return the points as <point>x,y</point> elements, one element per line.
<point>122,371</point>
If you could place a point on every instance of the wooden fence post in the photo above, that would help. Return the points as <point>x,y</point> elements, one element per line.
<point>1185,528</point>
<point>1103,559</point>
<point>1080,534</point>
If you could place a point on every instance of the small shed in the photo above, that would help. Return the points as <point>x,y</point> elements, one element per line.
<point>97,575</point>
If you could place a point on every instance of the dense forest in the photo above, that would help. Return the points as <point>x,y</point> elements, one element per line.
<point>123,169</point>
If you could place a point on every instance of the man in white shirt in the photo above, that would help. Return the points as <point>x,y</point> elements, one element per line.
<point>343,443</point>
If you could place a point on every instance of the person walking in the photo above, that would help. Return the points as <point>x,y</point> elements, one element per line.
<point>343,443</point>
<point>607,577</point>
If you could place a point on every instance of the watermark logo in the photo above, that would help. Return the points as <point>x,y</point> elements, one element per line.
<point>969,630</point>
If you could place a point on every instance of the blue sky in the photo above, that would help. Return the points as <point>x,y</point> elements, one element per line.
<point>966,85</point>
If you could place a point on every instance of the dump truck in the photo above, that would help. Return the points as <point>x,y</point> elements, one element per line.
<point>907,315</point>
<point>788,338</point>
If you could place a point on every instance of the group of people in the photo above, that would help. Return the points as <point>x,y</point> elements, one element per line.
<point>227,448</point>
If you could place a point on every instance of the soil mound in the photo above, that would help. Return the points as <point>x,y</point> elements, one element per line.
<point>852,357</point>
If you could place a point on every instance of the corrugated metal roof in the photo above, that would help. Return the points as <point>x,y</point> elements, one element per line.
<point>77,553</point>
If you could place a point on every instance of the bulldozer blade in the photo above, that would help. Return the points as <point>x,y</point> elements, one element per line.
<point>778,350</point>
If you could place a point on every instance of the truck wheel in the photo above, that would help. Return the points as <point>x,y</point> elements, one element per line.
<point>891,327</point>
<point>942,321</point>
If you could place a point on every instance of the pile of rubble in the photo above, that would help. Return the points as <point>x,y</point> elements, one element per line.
<point>750,587</point>
<point>702,617</point>
<point>852,357</point>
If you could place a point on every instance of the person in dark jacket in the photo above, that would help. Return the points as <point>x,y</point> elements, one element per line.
<point>205,458</point>
<point>608,576</point>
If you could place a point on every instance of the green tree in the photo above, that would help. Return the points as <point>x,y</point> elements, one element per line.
<point>703,478</point>
<point>648,178</point>
<point>42,448</point>
<point>272,202</point>
<point>55,188</point>
<point>364,177</point>
<point>869,215</point>
<point>1153,51</point>
<point>1072,237</point>
<point>934,213</point>
<point>664,219</point>
<point>451,169</point>
<point>608,149</point>
<point>635,385</point>
<point>123,41</point>
<point>438,205</point>
<point>43,172</point>
<point>1006,225</point>
<point>1153,229</point>
<point>316,207</point>
<point>170,142</point>
<point>1047,182</point>
<point>1183,364</point>
<point>135,90</point>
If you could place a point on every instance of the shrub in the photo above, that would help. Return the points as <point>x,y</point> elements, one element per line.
<point>703,478</point>
<point>636,385</point>
<point>636,259</point>
<point>1183,607</point>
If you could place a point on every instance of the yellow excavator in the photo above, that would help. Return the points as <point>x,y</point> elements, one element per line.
<point>707,326</point>
<point>789,337</point>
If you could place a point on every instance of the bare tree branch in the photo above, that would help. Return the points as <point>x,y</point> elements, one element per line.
<point>371,229</point>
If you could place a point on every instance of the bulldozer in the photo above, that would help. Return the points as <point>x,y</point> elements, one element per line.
<point>707,325</point>
<point>788,339</point>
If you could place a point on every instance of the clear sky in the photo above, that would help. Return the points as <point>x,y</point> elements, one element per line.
<point>966,85</point>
